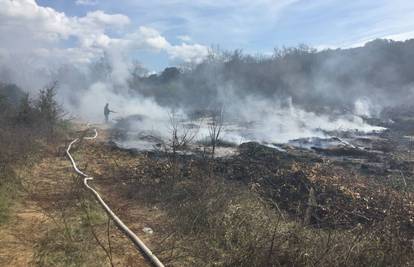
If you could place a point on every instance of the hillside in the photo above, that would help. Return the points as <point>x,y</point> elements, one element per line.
<point>380,73</point>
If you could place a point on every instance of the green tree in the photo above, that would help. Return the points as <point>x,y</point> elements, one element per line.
<point>48,109</point>
<point>25,111</point>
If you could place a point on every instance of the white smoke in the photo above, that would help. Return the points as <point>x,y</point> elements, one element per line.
<point>37,52</point>
<point>282,121</point>
<point>365,107</point>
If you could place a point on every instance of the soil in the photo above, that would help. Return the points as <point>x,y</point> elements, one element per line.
<point>46,182</point>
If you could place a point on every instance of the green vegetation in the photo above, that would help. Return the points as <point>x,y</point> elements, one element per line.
<point>25,124</point>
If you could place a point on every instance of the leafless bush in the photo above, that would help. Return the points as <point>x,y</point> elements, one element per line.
<point>181,134</point>
<point>181,137</point>
<point>215,128</point>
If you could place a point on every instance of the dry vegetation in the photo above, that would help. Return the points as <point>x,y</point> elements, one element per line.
<point>259,208</point>
<point>269,208</point>
<point>46,217</point>
<point>21,137</point>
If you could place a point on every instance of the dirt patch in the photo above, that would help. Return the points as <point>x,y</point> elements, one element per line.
<point>48,197</point>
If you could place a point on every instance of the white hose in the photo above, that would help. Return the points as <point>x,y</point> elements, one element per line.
<point>134,238</point>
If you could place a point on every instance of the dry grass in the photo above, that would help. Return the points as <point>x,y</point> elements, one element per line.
<point>55,222</point>
<point>213,221</point>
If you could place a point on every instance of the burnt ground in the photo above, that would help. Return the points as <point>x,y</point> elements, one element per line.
<point>346,194</point>
<point>367,183</point>
<point>353,183</point>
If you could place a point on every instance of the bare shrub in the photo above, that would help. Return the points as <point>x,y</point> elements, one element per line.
<point>181,134</point>
<point>215,128</point>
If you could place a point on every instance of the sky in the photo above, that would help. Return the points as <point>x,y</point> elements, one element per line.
<point>161,33</point>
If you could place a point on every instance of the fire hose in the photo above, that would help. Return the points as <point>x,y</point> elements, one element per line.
<point>149,256</point>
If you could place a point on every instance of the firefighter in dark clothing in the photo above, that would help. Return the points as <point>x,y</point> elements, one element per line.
<point>106,112</point>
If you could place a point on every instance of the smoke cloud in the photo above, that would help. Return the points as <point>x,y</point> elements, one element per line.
<point>294,93</point>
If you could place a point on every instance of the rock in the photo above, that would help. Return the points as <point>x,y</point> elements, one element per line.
<point>148,230</point>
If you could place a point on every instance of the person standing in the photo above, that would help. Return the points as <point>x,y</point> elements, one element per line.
<point>106,112</point>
